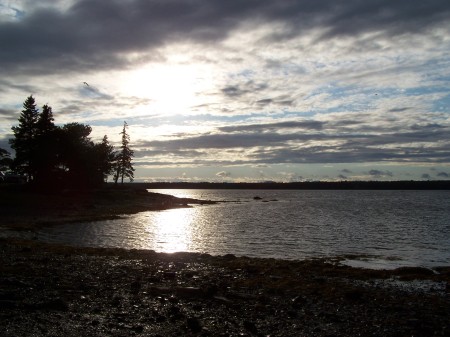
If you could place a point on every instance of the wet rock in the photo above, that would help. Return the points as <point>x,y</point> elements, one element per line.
<point>194,324</point>
<point>57,304</point>
<point>250,327</point>
<point>354,295</point>
<point>210,296</point>
<point>298,302</point>
<point>8,304</point>
<point>9,296</point>
<point>189,292</point>
<point>138,328</point>
<point>230,257</point>
<point>170,275</point>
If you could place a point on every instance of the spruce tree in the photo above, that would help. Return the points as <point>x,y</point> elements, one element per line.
<point>45,123</point>
<point>105,158</point>
<point>124,168</point>
<point>24,139</point>
<point>46,145</point>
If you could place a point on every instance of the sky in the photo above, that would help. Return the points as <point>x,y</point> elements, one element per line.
<point>248,90</point>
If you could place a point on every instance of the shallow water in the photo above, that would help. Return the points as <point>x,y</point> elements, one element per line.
<point>386,228</point>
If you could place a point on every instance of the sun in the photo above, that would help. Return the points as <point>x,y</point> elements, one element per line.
<point>171,88</point>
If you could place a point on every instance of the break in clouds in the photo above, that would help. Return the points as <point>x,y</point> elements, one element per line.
<point>228,84</point>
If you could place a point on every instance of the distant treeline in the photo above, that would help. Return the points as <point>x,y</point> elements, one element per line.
<point>314,185</point>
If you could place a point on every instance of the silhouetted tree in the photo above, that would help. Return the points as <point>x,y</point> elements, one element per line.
<point>105,158</point>
<point>46,147</point>
<point>54,156</point>
<point>5,160</point>
<point>45,123</point>
<point>75,156</point>
<point>124,168</point>
<point>24,139</point>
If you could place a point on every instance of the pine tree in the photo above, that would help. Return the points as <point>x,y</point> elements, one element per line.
<point>45,123</point>
<point>46,146</point>
<point>24,141</point>
<point>124,168</point>
<point>105,158</point>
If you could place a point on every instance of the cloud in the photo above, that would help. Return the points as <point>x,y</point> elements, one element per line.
<point>443,175</point>
<point>223,174</point>
<point>379,173</point>
<point>95,34</point>
<point>315,141</point>
<point>398,109</point>
<point>9,114</point>
<point>92,92</point>
<point>233,91</point>
<point>426,176</point>
<point>266,82</point>
<point>306,124</point>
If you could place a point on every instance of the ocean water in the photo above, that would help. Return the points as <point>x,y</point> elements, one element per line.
<point>381,229</point>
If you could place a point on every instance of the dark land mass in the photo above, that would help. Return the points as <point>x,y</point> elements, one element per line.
<point>314,185</point>
<point>50,290</point>
<point>23,207</point>
<point>54,290</point>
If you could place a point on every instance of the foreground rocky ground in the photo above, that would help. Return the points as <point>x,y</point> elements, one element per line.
<point>48,290</point>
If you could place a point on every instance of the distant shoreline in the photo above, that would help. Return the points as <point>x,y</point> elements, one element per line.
<point>318,185</point>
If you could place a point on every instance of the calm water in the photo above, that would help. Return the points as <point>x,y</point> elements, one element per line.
<point>392,228</point>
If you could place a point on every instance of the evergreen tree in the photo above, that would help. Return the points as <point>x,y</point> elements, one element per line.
<point>124,168</point>
<point>46,146</point>
<point>105,158</point>
<point>45,123</point>
<point>75,155</point>
<point>24,141</point>
<point>55,157</point>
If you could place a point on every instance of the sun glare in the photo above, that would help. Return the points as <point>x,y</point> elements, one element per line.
<point>172,89</point>
<point>172,230</point>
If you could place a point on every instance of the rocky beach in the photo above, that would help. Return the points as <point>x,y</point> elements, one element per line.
<point>54,290</point>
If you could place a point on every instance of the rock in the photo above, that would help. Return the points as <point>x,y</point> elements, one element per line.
<point>194,324</point>
<point>57,304</point>
<point>170,275</point>
<point>138,328</point>
<point>222,299</point>
<point>230,257</point>
<point>189,292</point>
<point>7,304</point>
<point>298,301</point>
<point>250,327</point>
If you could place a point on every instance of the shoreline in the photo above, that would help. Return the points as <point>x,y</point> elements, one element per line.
<point>22,209</point>
<point>48,289</point>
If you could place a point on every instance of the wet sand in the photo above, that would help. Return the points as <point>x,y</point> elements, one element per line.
<point>53,290</point>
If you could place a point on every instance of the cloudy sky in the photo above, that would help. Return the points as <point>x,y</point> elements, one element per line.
<point>248,90</point>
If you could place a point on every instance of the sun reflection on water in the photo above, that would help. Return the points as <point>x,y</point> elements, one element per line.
<point>171,230</point>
